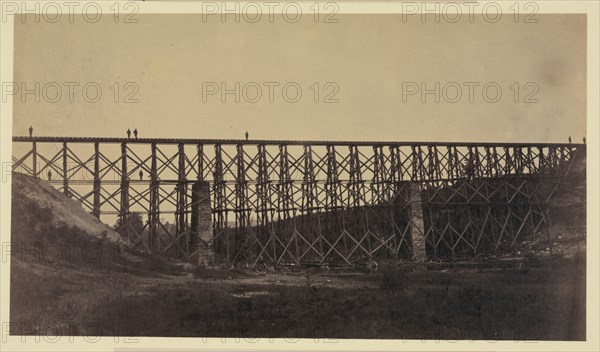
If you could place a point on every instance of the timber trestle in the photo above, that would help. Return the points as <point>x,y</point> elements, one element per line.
<point>307,202</point>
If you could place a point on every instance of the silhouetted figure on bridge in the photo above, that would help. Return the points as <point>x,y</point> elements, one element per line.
<point>135,133</point>
<point>128,133</point>
<point>49,175</point>
<point>141,175</point>
<point>247,135</point>
<point>583,140</point>
<point>30,131</point>
<point>569,139</point>
<point>469,168</point>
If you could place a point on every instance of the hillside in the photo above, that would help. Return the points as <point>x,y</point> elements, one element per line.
<point>56,245</point>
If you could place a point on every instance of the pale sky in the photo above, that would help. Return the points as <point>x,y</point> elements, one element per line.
<point>369,58</point>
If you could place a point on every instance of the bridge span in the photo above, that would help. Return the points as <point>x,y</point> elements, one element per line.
<point>251,202</point>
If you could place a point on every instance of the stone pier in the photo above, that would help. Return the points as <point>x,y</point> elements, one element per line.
<point>417,228</point>
<point>201,241</point>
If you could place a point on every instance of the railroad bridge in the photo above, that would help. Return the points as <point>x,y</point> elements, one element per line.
<point>251,202</point>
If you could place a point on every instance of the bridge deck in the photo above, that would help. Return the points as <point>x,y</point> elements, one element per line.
<point>276,142</point>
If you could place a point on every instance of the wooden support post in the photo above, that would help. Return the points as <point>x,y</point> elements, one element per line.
<point>308,180</point>
<point>529,162</point>
<point>219,207</point>
<point>354,198</point>
<point>34,157</point>
<point>518,155</point>
<point>241,217</point>
<point>489,162</point>
<point>308,201</point>
<point>478,165</point>
<point>332,216</point>
<point>284,203</point>
<point>380,188</point>
<point>153,215</point>
<point>262,198</point>
<point>541,159</point>
<point>65,171</point>
<point>507,162</point>
<point>377,189</point>
<point>416,167</point>
<point>497,169</point>
<point>450,161</point>
<point>438,166</point>
<point>396,176</point>
<point>124,209</point>
<point>431,167</point>
<point>180,212</point>
<point>470,167</point>
<point>200,161</point>
<point>97,184</point>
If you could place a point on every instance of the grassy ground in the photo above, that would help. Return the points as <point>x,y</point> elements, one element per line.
<point>523,301</point>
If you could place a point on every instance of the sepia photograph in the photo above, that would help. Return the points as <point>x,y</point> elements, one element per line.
<point>299,172</point>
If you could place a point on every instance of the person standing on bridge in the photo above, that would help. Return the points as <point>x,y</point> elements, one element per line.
<point>141,175</point>
<point>247,135</point>
<point>128,133</point>
<point>135,133</point>
<point>30,131</point>
<point>49,175</point>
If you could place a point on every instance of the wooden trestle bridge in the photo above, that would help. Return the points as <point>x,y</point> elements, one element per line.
<point>308,202</point>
